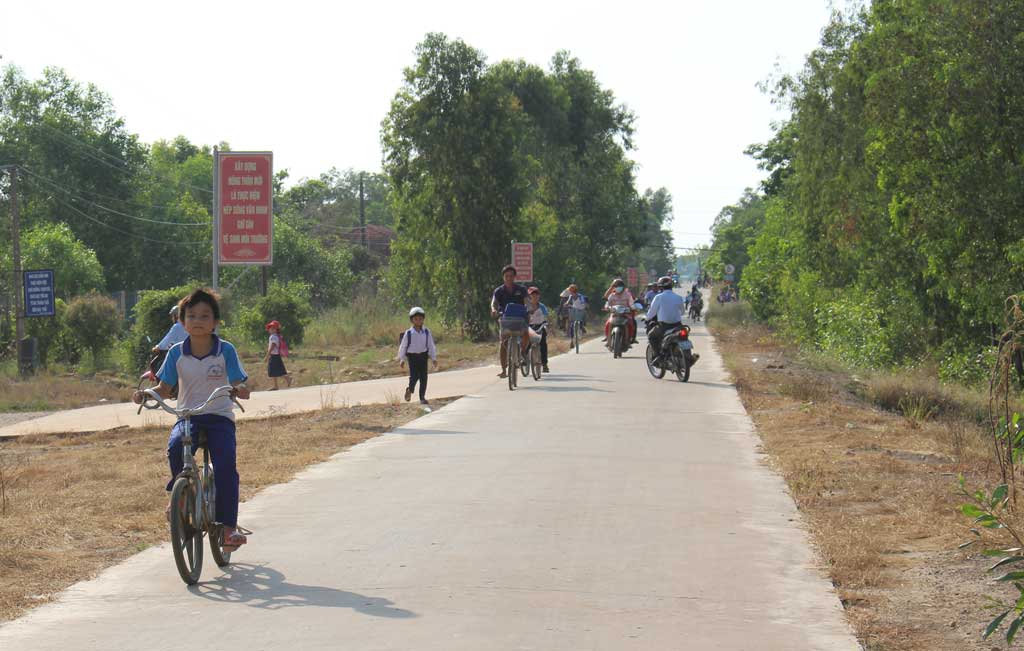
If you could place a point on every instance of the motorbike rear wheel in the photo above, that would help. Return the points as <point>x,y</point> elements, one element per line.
<point>617,343</point>
<point>656,371</point>
<point>682,366</point>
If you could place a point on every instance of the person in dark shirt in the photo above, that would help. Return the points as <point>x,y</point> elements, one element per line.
<point>509,292</point>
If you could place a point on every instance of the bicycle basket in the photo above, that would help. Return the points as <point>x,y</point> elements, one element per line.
<point>512,325</point>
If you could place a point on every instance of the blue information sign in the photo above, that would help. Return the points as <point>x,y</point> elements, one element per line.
<point>39,298</point>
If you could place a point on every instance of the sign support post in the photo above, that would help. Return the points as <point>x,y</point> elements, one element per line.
<point>216,218</point>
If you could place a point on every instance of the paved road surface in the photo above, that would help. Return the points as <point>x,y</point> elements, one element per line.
<point>448,384</point>
<point>598,509</point>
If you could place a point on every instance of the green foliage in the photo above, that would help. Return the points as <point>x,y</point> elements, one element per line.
<point>479,155</point>
<point>151,322</point>
<point>966,367</point>
<point>95,322</point>
<point>990,513</point>
<point>54,337</point>
<point>897,177</point>
<point>287,303</point>
<point>76,270</point>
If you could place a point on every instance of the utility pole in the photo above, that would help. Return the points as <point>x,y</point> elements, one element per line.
<point>215,221</point>
<point>19,310</point>
<point>362,213</point>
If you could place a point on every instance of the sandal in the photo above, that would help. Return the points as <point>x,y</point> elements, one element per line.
<point>231,543</point>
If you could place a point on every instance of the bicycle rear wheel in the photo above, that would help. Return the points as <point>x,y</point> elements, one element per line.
<point>576,336</point>
<point>186,536</point>
<point>538,368</point>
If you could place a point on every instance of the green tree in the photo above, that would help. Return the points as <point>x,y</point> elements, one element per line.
<point>76,269</point>
<point>95,321</point>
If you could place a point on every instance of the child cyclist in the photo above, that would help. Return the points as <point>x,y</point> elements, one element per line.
<point>198,365</point>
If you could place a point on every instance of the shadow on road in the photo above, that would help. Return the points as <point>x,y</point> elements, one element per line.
<point>540,386</point>
<point>262,587</point>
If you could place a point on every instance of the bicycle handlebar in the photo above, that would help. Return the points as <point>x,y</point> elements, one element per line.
<point>159,403</point>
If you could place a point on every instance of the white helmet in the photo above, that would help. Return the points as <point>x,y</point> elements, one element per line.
<point>174,311</point>
<point>416,310</point>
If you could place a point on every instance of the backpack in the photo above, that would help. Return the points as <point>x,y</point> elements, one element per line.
<point>282,349</point>
<point>407,335</point>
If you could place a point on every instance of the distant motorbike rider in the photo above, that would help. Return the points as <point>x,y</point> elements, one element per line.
<point>665,314</point>
<point>617,295</point>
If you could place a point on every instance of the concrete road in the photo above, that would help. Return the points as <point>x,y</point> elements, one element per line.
<point>448,384</point>
<point>596,509</point>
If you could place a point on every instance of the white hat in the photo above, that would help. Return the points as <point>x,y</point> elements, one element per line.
<point>416,310</point>
<point>174,310</point>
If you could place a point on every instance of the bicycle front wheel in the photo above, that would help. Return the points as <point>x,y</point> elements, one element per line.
<point>186,536</point>
<point>513,363</point>
<point>576,337</point>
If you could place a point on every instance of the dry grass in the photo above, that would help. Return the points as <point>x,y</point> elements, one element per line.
<point>79,503</point>
<point>46,392</point>
<point>876,487</point>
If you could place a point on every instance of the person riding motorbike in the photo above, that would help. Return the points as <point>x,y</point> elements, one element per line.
<point>650,294</point>
<point>617,295</point>
<point>665,314</point>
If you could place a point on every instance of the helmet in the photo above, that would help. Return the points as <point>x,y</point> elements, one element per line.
<point>417,311</point>
<point>618,282</point>
<point>533,290</point>
<point>665,282</point>
<point>573,288</point>
<point>272,325</point>
<point>174,311</point>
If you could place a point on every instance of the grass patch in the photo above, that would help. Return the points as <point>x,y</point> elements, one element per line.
<point>726,315</point>
<point>76,504</point>
<point>876,487</point>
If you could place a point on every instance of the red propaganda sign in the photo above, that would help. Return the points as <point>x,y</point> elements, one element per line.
<point>631,277</point>
<point>245,230</point>
<point>522,260</point>
<point>644,279</point>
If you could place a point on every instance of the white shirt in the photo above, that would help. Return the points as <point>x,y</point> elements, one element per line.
<point>417,341</point>
<point>667,307</point>
<point>198,377</point>
<point>175,335</point>
<point>275,344</point>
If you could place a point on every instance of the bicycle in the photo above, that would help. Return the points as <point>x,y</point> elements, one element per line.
<point>512,329</point>
<point>193,494</point>
<point>530,364</point>
<point>576,317</point>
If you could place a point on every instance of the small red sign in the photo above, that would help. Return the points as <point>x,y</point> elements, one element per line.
<point>644,279</point>
<point>245,229</point>
<point>522,260</point>
<point>631,277</point>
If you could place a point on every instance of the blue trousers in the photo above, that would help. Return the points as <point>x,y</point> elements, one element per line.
<point>220,440</point>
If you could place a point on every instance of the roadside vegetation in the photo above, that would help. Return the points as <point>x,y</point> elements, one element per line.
<point>872,459</point>
<point>884,248</point>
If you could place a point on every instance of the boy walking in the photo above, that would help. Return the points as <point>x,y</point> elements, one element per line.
<point>416,347</point>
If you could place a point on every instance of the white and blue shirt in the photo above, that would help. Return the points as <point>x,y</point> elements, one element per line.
<point>667,307</point>
<point>198,377</point>
<point>175,335</point>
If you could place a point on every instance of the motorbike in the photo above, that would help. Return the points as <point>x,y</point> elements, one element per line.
<point>618,332</point>
<point>676,354</point>
<point>696,309</point>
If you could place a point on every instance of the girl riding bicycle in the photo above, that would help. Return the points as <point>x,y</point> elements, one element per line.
<point>199,365</point>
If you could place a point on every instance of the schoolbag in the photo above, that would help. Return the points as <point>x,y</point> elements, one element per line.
<point>408,336</point>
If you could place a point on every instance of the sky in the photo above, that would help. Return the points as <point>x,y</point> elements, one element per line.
<point>311,81</point>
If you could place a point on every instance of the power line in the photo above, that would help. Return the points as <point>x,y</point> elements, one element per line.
<point>118,168</point>
<point>123,232</point>
<point>58,188</point>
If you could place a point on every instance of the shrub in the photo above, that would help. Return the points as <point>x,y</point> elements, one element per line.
<point>151,321</point>
<point>966,367</point>
<point>95,321</point>
<point>54,336</point>
<point>288,303</point>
